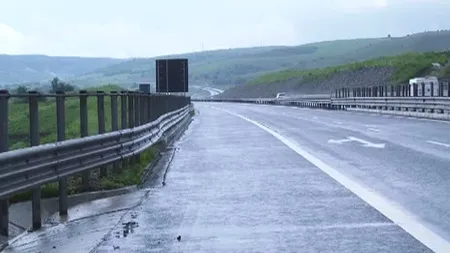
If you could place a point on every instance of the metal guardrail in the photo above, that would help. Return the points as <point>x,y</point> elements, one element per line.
<point>321,101</point>
<point>144,119</point>
<point>436,104</point>
<point>422,104</point>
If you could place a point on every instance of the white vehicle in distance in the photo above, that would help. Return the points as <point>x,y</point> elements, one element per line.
<point>280,95</point>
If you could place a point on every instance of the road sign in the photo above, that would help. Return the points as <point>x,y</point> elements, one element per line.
<point>172,75</point>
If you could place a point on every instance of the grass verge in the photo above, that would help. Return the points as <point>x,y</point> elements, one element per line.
<point>19,118</point>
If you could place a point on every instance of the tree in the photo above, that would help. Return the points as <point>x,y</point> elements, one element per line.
<point>22,90</point>
<point>58,85</point>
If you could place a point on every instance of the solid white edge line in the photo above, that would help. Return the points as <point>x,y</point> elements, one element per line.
<point>390,209</point>
<point>439,143</point>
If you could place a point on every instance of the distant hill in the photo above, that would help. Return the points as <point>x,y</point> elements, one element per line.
<point>379,71</point>
<point>33,68</point>
<point>238,66</point>
<point>219,68</point>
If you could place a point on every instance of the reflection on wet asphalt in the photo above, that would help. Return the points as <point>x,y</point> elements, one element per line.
<point>231,187</point>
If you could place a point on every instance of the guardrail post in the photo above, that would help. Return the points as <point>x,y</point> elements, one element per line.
<point>156,106</point>
<point>114,112</point>
<point>85,175</point>
<point>441,89</point>
<point>123,110</point>
<point>4,146</point>
<point>166,104</point>
<point>448,89</point>
<point>61,136</point>
<point>114,120</point>
<point>131,97</point>
<point>35,141</point>
<point>137,108</point>
<point>132,116</point>
<point>144,109</point>
<point>123,120</point>
<point>101,124</point>
<point>432,90</point>
<point>423,89</point>
<point>150,107</point>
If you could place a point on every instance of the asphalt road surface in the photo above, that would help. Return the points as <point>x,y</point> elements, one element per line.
<point>257,178</point>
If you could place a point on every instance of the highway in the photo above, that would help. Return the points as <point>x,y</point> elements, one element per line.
<point>260,178</point>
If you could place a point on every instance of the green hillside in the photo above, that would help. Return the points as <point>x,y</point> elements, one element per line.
<point>406,66</point>
<point>379,71</point>
<point>237,66</point>
<point>224,68</point>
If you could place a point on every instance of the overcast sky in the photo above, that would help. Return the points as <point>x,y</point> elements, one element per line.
<point>142,28</point>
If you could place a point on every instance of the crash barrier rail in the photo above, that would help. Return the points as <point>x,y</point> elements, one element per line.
<point>312,101</point>
<point>144,119</point>
<point>346,100</point>
<point>414,104</point>
<point>441,89</point>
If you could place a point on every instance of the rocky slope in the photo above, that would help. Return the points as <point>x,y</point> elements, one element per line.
<point>367,76</point>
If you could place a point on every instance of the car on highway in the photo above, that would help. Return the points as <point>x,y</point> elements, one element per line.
<point>280,95</point>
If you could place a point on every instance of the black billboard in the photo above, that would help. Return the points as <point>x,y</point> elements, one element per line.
<point>172,75</point>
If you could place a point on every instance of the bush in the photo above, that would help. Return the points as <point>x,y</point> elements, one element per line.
<point>58,85</point>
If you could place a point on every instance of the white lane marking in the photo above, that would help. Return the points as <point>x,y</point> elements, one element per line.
<point>439,143</point>
<point>392,210</point>
<point>338,141</point>
<point>373,129</point>
<point>365,143</point>
<point>338,122</point>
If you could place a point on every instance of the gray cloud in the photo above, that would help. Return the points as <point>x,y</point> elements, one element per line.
<point>138,28</point>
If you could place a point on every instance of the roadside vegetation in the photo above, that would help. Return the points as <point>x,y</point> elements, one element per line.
<point>125,174</point>
<point>19,127</point>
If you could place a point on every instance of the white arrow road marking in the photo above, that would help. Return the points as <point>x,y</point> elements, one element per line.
<point>439,144</point>
<point>365,143</point>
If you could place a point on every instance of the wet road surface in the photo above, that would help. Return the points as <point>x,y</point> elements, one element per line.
<point>234,187</point>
